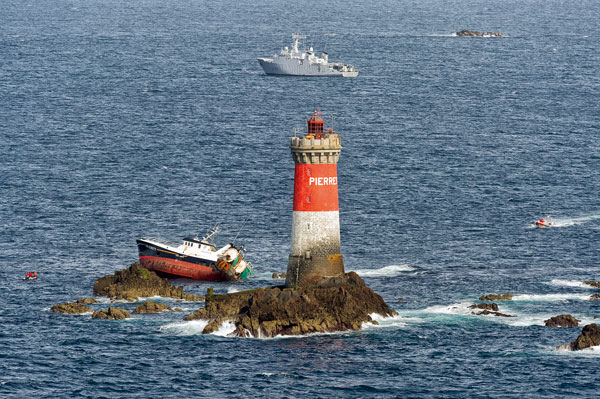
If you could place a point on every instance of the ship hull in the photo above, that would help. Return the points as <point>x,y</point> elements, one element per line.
<point>177,268</point>
<point>172,264</point>
<point>293,67</point>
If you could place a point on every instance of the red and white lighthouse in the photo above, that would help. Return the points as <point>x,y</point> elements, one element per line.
<point>315,250</point>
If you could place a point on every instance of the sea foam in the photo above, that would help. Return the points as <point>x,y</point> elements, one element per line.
<point>551,297</point>
<point>183,328</point>
<point>387,271</point>
<point>570,283</point>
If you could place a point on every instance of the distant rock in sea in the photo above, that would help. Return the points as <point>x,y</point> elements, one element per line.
<point>86,301</point>
<point>487,306</point>
<point>496,297</point>
<point>134,282</point>
<point>112,314</point>
<point>488,309</point>
<point>592,283</point>
<point>71,308</point>
<point>563,320</point>
<point>330,304</point>
<point>488,312</point>
<point>590,336</point>
<point>466,32</point>
<point>151,307</point>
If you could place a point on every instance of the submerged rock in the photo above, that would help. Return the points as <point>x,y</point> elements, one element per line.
<point>112,314</point>
<point>71,308</point>
<point>329,304</point>
<point>466,32</point>
<point>563,320</point>
<point>486,306</point>
<point>488,312</point>
<point>86,301</point>
<point>151,307</point>
<point>590,336</point>
<point>496,297</point>
<point>135,282</point>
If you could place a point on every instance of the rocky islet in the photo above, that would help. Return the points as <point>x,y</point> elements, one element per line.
<point>329,304</point>
<point>135,281</point>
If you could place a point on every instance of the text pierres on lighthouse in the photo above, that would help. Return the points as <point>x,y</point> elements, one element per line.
<point>322,181</point>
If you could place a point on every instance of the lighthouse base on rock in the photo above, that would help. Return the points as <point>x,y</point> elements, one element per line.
<point>315,250</point>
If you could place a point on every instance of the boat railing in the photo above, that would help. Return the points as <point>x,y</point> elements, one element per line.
<point>162,241</point>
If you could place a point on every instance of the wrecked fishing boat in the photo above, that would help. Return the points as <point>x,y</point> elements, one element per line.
<point>194,258</point>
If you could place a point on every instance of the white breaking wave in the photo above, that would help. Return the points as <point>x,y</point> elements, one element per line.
<point>397,321</point>
<point>539,319</point>
<point>592,351</point>
<point>461,309</point>
<point>387,271</point>
<point>551,297</point>
<point>195,327</point>
<point>185,328</point>
<point>225,329</point>
<point>570,283</point>
<point>166,299</point>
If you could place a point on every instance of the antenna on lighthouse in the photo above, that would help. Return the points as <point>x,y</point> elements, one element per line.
<point>332,120</point>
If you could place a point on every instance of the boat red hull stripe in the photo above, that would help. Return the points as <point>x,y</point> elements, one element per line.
<point>179,268</point>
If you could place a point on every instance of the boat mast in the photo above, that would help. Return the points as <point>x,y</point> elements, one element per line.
<point>215,230</point>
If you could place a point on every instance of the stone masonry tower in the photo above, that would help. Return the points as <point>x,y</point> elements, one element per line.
<point>315,250</point>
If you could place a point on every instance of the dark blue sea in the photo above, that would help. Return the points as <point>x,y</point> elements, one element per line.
<point>123,119</point>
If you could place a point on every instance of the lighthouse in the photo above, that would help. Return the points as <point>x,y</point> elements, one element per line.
<point>315,251</point>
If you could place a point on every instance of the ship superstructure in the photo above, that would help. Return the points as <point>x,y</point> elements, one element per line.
<point>296,62</point>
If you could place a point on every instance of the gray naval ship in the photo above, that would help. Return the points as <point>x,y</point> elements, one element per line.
<point>304,63</point>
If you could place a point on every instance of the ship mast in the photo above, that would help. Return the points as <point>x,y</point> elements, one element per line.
<point>297,37</point>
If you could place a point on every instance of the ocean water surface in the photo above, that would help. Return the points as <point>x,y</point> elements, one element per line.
<point>153,118</point>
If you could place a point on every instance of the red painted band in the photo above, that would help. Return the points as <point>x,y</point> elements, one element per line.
<point>315,188</point>
<point>179,268</point>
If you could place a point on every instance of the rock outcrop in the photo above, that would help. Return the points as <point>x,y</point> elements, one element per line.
<point>486,306</point>
<point>151,307</point>
<point>563,320</point>
<point>595,297</point>
<point>71,308</point>
<point>329,304</point>
<point>278,275</point>
<point>466,32</point>
<point>592,283</point>
<point>590,336</point>
<point>488,309</point>
<point>112,314</point>
<point>135,282</point>
<point>488,312</point>
<point>86,301</point>
<point>496,297</point>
